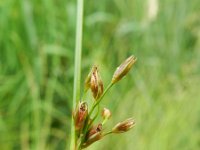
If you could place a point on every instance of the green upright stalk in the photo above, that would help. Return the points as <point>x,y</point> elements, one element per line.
<point>77,69</point>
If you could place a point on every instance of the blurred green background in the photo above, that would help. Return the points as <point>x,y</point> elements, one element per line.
<point>162,92</point>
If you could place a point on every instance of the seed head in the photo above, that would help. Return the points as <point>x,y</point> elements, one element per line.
<point>94,134</point>
<point>123,69</point>
<point>80,115</point>
<point>96,83</point>
<point>106,114</point>
<point>124,126</point>
<point>93,130</point>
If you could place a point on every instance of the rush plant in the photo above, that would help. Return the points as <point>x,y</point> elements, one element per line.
<point>84,130</point>
<point>87,131</point>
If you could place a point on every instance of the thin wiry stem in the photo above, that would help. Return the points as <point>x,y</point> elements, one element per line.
<point>77,69</point>
<point>99,100</point>
<point>92,109</point>
<point>110,132</point>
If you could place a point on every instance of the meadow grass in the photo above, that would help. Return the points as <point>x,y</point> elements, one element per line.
<point>37,42</point>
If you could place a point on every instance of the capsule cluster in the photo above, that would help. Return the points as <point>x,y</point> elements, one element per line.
<point>86,130</point>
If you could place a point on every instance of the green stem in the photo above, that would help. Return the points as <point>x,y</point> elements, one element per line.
<point>92,109</point>
<point>94,106</point>
<point>99,100</point>
<point>93,118</point>
<point>107,133</point>
<point>77,69</point>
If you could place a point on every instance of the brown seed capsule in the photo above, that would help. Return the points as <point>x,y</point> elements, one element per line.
<point>123,69</point>
<point>80,115</point>
<point>96,83</point>
<point>106,114</point>
<point>94,134</point>
<point>124,126</point>
<point>94,129</point>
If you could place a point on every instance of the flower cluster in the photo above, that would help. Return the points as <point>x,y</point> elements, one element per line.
<point>86,131</point>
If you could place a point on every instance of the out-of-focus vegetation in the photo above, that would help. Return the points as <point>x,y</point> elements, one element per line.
<point>162,92</point>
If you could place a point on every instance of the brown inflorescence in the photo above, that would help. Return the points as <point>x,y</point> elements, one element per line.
<point>106,114</point>
<point>93,135</point>
<point>123,69</point>
<point>123,126</point>
<point>86,132</point>
<point>96,83</point>
<point>80,115</point>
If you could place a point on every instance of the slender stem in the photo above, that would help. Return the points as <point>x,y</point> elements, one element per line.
<point>104,121</point>
<point>96,104</point>
<point>99,100</point>
<point>92,109</point>
<point>84,95</point>
<point>110,132</point>
<point>93,118</point>
<point>78,52</point>
<point>77,69</point>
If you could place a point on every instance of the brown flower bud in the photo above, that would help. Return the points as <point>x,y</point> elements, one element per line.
<point>93,135</point>
<point>123,69</point>
<point>80,115</point>
<point>96,83</point>
<point>106,114</point>
<point>124,126</point>
<point>93,130</point>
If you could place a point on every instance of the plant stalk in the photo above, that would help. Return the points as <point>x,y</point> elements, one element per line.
<point>77,69</point>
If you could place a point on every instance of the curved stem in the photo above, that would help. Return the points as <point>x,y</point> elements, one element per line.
<point>93,118</point>
<point>92,109</point>
<point>99,100</point>
<point>110,132</point>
